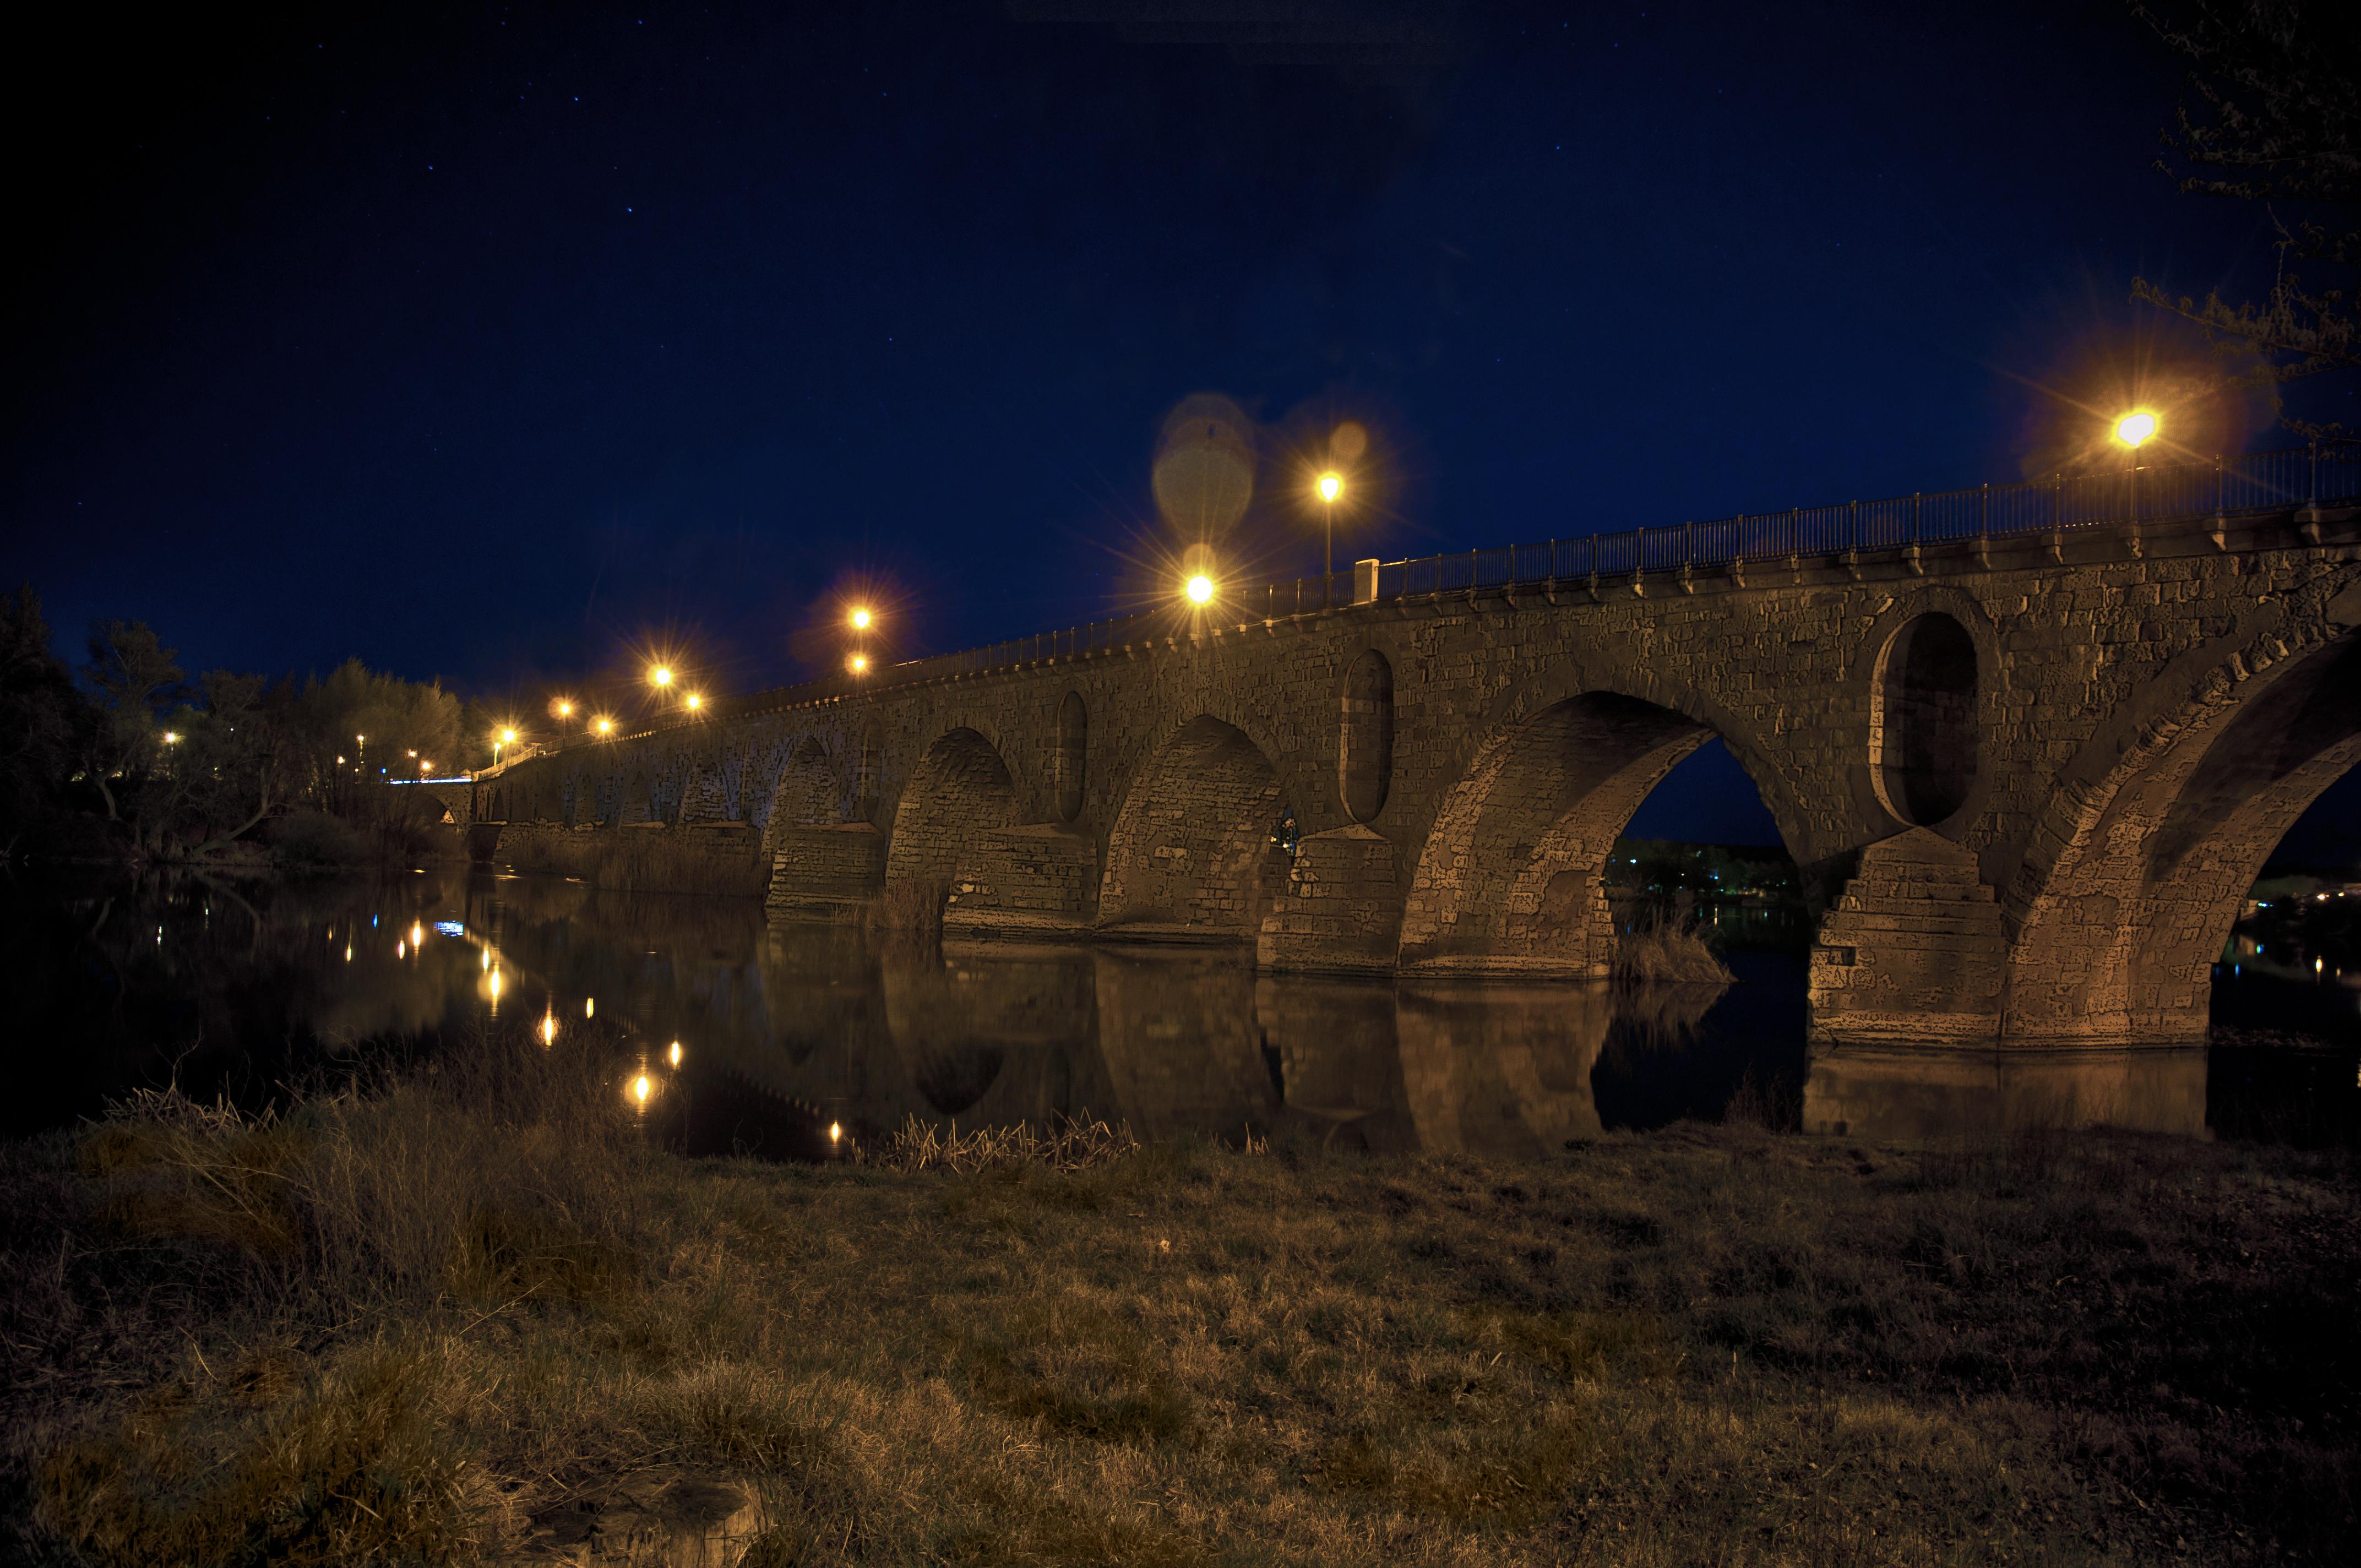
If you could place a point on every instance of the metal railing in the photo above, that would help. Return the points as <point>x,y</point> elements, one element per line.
<point>2324,473</point>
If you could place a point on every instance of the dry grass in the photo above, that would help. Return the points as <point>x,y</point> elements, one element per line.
<point>1660,951</point>
<point>911,911</point>
<point>647,859</point>
<point>399,1326</point>
<point>1070,1146</point>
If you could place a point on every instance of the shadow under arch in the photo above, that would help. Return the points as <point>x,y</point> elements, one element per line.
<point>1512,879</point>
<point>2136,877</point>
<point>1192,855</point>
<point>960,790</point>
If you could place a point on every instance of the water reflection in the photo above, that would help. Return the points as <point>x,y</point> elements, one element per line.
<point>1943,1093</point>
<point>787,1041</point>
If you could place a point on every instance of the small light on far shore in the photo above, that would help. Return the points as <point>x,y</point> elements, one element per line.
<point>640,1089</point>
<point>835,1133</point>
<point>674,1055</point>
<point>589,1007</point>
<point>548,1030</point>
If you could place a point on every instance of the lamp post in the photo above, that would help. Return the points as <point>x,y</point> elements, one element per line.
<point>2133,430</point>
<point>1329,486</point>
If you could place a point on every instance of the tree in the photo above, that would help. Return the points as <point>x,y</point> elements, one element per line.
<point>136,678</point>
<point>42,718</point>
<point>2273,116</point>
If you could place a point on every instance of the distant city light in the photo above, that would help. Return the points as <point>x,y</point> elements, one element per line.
<point>2134,428</point>
<point>1199,589</point>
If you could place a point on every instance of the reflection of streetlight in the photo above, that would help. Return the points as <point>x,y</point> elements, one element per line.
<point>1199,589</point>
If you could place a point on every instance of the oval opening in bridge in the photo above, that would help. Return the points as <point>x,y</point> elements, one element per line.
<point>1364,736</point>
<point>1923,720</point>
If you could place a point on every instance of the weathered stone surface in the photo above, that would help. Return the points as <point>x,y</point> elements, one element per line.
<point>2117,726</point>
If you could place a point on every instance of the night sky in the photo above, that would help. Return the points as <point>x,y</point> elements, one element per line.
<point>498,345</point>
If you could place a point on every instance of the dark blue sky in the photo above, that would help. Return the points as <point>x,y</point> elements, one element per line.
<point>491,344</point>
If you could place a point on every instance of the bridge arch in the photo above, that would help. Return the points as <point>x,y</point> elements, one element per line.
<point>2139,868</point>
<point>807,792</point>
<point>960,790</point>
<point>1512,879</point>
<point>1192,850</point>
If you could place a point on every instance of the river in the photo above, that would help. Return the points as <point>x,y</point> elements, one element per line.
<point>240,988</point>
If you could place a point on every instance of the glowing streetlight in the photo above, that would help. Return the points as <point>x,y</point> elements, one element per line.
<point>2136,428</point>
<point>675,1053</point>
<point>858,663</point>
<point>692,702</point>
<point>506,737</point>
<point>835,1133</point>
<point>172,738</point>
<point>640,1089</point>
<point>604,726</point>
<point>1199,589</point>
<point>1329,486</point>
<point>548,1030</point>
<point>660,675</point>
<point>565,708</point>
<point>860,618</point>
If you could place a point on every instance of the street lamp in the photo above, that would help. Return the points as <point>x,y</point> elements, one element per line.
<point>504,739</point>
<point>2136,428</point>
<point>860,618</point>
<point>604,726</point>
<point>692,702</point>
<point>660,675</point>
<point>858,663</point>
<point>565,708</point>
<point>1199,589</point>
<point>1329,486</point>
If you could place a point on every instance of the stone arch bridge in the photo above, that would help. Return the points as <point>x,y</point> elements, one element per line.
<point>2033,772</point>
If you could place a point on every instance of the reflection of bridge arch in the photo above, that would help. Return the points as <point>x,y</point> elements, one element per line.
<point>1191,852</point>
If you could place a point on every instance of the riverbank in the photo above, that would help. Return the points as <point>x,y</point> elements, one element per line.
<point>449,1319</point>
